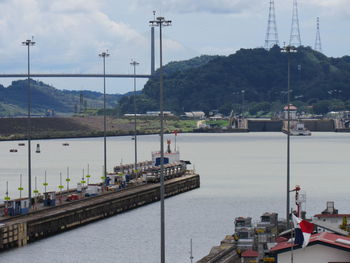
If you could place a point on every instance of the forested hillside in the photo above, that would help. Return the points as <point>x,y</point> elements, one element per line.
<point>217,83</point>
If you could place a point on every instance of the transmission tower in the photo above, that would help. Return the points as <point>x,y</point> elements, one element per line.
<point>318,46</point>
<point>271,33</point>
<point>295,39</point>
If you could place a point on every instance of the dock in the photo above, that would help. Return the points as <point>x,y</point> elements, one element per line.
<point>19,230</point>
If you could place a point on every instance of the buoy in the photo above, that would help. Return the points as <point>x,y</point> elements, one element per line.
<point>37,148</point>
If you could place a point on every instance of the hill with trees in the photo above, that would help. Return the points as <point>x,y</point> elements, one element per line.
<point>45,98</point>
<point>255,77</point>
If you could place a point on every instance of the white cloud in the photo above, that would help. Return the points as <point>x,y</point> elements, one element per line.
<point>208,6</point>
<point>330,7</point>
<point>68,33</point>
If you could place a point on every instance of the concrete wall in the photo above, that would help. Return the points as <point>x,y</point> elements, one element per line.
<point>320,125</point>
<point>47,222</point>
<point>265,125</point>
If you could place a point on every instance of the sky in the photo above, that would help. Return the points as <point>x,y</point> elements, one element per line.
<point>69,34</point>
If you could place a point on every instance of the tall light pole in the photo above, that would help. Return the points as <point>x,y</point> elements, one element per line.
<point>29,43</point>
<point>103,55</point>
<point>134,64</point>
<point>288,50</point>
<point>160,21</point>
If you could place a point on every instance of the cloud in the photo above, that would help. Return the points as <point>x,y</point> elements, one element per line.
<point>330,7</point>
<point>207,6</point>
<point>68,34</point>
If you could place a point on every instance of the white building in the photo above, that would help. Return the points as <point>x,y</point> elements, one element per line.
<point>331,217</point>
<point>199,115</point>
<point>323,248</point>
<point>292,112</point>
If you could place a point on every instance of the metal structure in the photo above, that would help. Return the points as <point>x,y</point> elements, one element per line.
<point>318,45</point>
<point>64,75</point>
<point>153,64</point>
<point>28,43</point>
<point>160,22</point>
<point>134,64</point>
<point>271,38</point>
<point>295,39</point>
<point>288,50</point>
<point>103,55</point>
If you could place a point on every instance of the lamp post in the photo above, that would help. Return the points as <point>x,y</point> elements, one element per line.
<point>160,21</point>
<point>288,50</point>
<point>28,43</point>
<point>103,55</point>
<point>134,64</point>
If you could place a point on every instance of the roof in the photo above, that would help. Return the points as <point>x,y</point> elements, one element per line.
<point>250,253</point>
<point>332,215</point>
<point>291,107</point>
<point>324,238</point>
<point>330,227</point>
<point>281,239</point>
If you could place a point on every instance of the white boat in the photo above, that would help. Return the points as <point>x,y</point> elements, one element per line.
<point>300,130</point>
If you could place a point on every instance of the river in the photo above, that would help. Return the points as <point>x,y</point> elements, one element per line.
<point>241,175</point>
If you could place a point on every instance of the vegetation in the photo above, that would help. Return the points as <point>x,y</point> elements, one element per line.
<point>47,100</point>
<point>318,83</point>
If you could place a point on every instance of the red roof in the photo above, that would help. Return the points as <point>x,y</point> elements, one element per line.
<point>291,107</point>
<point>281,239</point>
<point>331,215</point>
<point>324,237</point>
<point>250,253</point>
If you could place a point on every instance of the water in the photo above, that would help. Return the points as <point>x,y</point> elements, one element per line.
<point>241,175</point>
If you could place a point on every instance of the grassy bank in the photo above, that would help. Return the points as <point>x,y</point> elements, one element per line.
<point>79,127</point>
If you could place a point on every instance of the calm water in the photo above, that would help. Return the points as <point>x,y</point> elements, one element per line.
<point>241,175</point>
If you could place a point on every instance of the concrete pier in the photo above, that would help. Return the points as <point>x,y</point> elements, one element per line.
<point>18,231</point>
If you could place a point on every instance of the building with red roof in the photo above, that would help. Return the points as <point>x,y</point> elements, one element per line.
<point>323,248</point>
<point>331,217</point>
<point>292,112</point>
<point>249,256</point>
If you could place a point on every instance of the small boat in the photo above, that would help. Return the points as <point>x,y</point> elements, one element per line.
<point>65,144</point>
<point>13,150</point>
<point>300,130</point>
<point>21,144</point>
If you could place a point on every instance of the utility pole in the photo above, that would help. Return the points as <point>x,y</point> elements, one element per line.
<point>153,46</point>
<point>160,21</point>
<point>288,50</point>
<point>134,64</point>
<point>104,55</point>
<point>28,43</point>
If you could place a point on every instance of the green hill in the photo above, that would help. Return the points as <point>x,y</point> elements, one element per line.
<point>14,99</point>
<point>217,83</point>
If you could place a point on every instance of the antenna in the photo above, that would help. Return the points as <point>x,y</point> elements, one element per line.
<point>271,33</point>
<point>295,39</point>
<point>318,46</point>
<point>191,252</point>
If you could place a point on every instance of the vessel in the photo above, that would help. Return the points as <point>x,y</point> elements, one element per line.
<point>299,130</point>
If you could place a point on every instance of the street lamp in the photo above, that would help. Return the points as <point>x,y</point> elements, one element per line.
<point>134,64</point>
<point>103,55</point>
<point>160,21</point>
<point>288,50</point>
<point>29,43</point>
<point>242,92</point>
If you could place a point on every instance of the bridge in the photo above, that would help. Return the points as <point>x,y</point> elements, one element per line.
<point>74,75</point>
